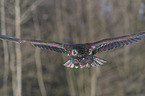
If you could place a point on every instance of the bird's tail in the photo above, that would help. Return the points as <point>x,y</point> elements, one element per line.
<point>70,64</point>
<point>97,61</point>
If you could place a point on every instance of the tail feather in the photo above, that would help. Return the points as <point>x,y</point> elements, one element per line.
<point>70,64</point>
<point>97,61</point>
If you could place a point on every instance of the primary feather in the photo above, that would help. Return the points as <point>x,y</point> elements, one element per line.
<point>49,45</point>
<point>116,42</point>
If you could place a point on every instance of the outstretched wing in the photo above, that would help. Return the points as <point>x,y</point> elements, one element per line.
<point>116,42</point>
<point>48,45</point>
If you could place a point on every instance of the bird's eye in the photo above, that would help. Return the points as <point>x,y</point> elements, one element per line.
<point>74,52</point>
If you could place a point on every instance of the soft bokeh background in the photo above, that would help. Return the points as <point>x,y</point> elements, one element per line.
<point>28,71</point>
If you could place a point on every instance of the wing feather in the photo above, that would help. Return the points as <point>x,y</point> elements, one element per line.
<point>48,45</point>
<point>111,43</point>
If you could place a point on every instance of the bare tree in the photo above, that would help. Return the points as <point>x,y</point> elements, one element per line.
<point>18,49</point>
<point>37,56</point>
<point>13,68</point>
<point>5,48</point>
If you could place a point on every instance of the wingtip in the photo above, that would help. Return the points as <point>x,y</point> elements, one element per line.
<point>3,37</point>
<point>12,39</point>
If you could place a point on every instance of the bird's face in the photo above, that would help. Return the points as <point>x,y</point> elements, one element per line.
<point>81,56</point>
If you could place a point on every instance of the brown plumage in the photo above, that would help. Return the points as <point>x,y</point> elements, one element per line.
<point>82,55</point>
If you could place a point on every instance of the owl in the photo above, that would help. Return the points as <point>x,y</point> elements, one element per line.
<point>81,55</point>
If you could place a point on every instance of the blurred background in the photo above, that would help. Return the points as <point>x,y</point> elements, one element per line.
<point>29,71</point>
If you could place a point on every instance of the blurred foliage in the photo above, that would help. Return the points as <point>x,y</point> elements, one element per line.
<point>79,21</point>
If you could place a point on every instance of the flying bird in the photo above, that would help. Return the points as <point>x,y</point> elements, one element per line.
<point>82,55</point>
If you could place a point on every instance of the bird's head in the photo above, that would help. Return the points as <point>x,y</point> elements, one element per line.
<point>80,55</point>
